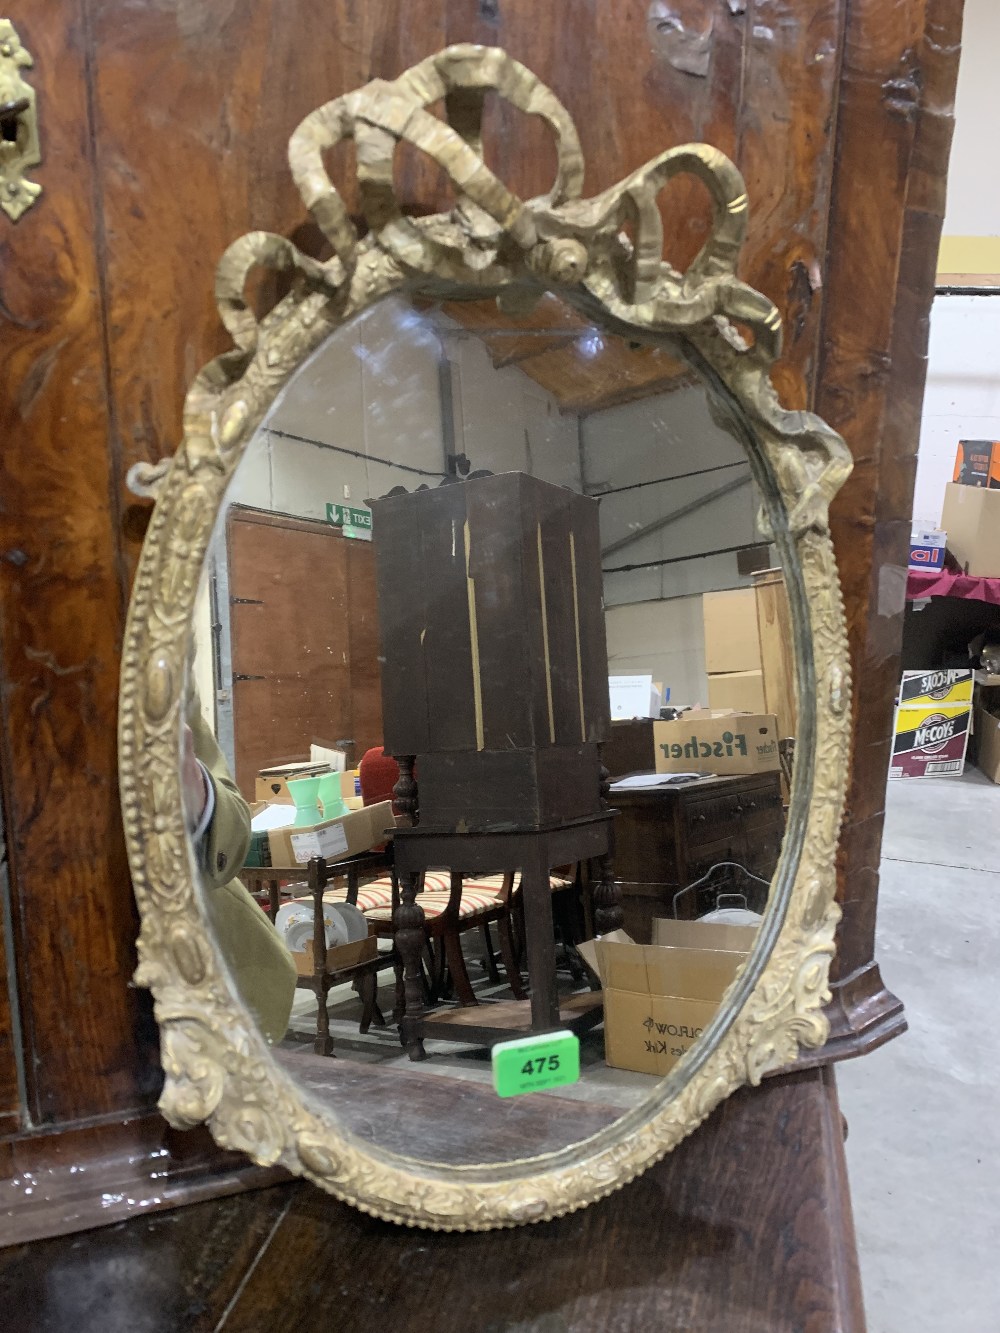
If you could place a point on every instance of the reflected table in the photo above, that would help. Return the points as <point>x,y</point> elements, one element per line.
<point>534,851</point>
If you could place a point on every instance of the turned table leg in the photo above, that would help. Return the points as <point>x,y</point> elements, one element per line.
<point>408,923</point>
<point>323,1043</point>
<point>608,914</point>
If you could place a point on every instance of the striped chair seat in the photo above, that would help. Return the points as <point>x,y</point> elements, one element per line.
<point>478,895</point>
<point>434,905</point>
<point>375,898</point>
<point>370,896</point>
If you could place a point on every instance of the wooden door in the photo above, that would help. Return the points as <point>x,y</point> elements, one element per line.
<point>304,640</point>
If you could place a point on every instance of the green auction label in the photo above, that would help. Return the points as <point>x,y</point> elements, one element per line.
<point>532,1064</point>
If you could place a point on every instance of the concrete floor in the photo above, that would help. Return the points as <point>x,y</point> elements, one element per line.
<point>924,1111</point>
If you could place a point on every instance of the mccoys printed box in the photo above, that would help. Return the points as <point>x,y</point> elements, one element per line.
<point>932,724</point>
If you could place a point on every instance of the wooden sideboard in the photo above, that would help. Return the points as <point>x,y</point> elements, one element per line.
<point>668,837</point>
<point>745,1227</point>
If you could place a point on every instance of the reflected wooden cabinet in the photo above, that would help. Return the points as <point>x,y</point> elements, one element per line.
<point>668,837</point>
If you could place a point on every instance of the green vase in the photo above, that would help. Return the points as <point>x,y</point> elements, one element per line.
<point>304,792</point>
<point>331,796</point>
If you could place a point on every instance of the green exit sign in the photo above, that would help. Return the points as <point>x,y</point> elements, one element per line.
<point>354,522</point>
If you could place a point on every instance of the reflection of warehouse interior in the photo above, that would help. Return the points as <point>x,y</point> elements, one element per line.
<point>394,400</point>
<point>515,551</point>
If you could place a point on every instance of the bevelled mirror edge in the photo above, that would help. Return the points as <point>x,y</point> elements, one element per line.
<point>217,1067</point>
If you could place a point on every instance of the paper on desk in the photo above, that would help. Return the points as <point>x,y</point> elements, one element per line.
<point>656,780</point>
<point>273,816</point>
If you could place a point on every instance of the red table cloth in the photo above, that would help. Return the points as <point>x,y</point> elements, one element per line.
<point>943,583</point>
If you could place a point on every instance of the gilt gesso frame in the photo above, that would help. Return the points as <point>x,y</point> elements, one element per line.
<point>604,256</point>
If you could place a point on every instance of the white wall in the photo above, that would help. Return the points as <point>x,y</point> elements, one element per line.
<point>962,398</point>
<point>665,639</point>
<point>374,388</point>
<point>505,421</point>
<point>652,438</point>
<point>973,207</point>
<point>654,615</point>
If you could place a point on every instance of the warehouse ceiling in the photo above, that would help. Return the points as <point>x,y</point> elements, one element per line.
<point>584,369</point>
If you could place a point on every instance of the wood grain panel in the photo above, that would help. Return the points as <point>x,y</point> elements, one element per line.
<point>194,106</point>
<point>363,658</point>
<point>11,1108</point>
<point>89,1038</point>
<point>900,66</point>
<point>634,102</point>
<point>299,594</point>
<point>792,68</point>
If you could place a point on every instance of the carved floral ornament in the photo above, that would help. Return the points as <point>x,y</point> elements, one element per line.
<point>603,256</point>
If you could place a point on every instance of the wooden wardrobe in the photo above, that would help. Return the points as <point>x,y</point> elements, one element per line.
<point>163,133</point>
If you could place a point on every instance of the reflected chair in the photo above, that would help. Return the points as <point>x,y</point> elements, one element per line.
<point>479,904</point>
<point>454,904</point>
<point>315,890</point>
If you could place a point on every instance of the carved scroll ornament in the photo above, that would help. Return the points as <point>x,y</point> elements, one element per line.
<point>604,256</point>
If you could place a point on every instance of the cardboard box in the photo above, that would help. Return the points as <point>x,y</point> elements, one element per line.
<point>738,691</point>
<point>717,742</point>
<point>732,641</point>
<point>971,518</point>
<point>986,724</point>
<point>338,956</point>
<point>272,783</point>
<point>927,545</point>
<point>929,740</point>
<point>977,463</point>
<point>935,687</point>
<point>355,832</point>
<point>660,997</point>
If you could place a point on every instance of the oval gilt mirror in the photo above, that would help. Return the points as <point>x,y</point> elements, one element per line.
<point>485,695</point>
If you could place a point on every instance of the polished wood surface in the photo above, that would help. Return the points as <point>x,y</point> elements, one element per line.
<point>838,114</point>
<point>745,1228</point>
<point>62,605</point>
<point>446,1117</point>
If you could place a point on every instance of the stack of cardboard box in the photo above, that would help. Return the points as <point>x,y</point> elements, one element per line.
<point>932,724</point>
<point>284,844</point>
<point>971,513</point>
<point>732,651</point>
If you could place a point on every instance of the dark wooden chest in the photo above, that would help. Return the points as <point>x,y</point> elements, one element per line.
<point>494,659</point>
<point>667,837</point>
